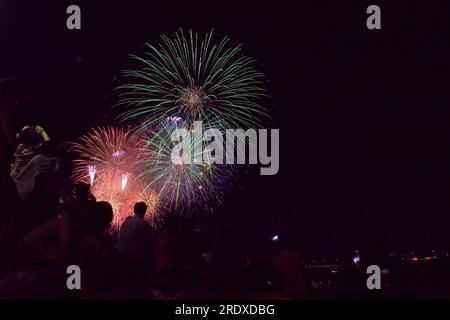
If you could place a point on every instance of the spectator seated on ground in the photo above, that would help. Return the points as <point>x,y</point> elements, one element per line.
<point>74,220</point>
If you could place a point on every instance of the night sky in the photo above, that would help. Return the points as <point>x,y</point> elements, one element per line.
<point>364,116</point>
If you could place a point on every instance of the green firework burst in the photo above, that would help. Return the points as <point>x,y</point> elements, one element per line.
<point>181,187</point>
<point>196,79</point>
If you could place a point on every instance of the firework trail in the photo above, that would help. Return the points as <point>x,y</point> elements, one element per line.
<point>92,170</point>
<point>125,178</point>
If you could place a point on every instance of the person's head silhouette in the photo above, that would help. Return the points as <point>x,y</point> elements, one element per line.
<point>102,216</point>
<point>140,209</point>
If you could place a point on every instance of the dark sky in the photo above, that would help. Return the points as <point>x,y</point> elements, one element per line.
<point>363,115</point>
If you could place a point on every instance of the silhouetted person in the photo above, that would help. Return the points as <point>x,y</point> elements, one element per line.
<point>35,155</point>
<point>96,255</point>
<point>169,258</point>
<point>136,233</point>
<point>9,99</point>
<point>76,215</point>
<point>166,250</point>
<point>289,270</point>
<point>231,257</point>
<point>97,244</point>
<point>75,219</point>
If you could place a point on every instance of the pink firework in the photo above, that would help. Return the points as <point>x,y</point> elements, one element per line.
<point>107,160</point>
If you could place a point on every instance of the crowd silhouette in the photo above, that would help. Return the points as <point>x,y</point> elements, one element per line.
<point>47,223</point>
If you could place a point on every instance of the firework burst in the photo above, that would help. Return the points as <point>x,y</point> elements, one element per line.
<point>194,79</point>
<point>107,160</point>
<point>103,148</point>
<point>181,187</point>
